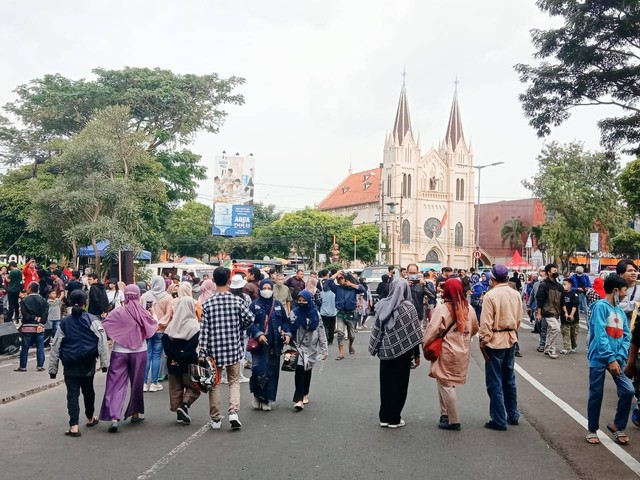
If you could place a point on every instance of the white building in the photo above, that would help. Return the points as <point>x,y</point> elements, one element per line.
<point>427,200</point>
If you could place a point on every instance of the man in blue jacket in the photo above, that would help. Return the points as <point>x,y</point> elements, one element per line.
<point>581,284</point>
<point>346,292</point>
<point>609,338</point>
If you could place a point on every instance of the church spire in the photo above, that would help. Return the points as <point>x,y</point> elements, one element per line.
<point>454,128</point>
<point>402,124</point>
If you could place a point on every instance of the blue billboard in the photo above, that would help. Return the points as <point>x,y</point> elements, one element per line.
<point>233,196</point>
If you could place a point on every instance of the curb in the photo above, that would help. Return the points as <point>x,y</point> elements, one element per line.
<point>28,393</point>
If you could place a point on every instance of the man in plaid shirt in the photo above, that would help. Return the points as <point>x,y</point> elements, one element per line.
<point>224,317</point>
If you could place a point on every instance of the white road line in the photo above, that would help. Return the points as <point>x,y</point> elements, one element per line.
<point>614,448</point>
<point>164,461</point>
<point>7,365</point>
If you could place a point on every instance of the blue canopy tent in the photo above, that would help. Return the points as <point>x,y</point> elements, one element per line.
<point>103,246</point>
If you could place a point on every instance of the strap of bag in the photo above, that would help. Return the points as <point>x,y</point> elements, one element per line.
<point>266,322</point>
<point>442,335</point>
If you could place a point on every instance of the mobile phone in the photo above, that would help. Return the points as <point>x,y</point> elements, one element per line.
<point>149,305</point>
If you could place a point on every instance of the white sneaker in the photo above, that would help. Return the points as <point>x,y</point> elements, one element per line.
<point>564,351</point>
<point>244,379</point>
<point>298,406</point>
<point>145,388</point>
<point>255,403</point>
<point>216,425</point>
<point>235,421</point>
<point>399,425</point>
<point>551,355</point>
<point>155,387</point>
<point>266,407</point>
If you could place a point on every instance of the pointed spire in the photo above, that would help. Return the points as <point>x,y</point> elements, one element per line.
<point>402,124</point>
<point>454,128</point>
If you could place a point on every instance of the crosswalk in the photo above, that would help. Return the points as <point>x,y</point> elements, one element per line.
<point>527,325</point>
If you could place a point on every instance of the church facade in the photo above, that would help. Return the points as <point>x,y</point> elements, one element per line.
<point>423,202</point>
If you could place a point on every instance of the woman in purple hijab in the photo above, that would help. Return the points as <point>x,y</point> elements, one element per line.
<point>128,327</point>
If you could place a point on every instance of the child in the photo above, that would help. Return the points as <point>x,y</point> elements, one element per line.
<point>569,317</point>
<point>55,312</point>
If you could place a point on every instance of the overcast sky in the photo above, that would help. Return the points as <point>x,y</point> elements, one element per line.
<point>323,77</point>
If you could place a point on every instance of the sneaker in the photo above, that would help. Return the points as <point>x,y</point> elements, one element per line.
<point>384,424</point>
<point>113,428</point>
<point>215,424</point>
<point>564,351</point>
<point>398,425</point>
<point>298,406</point>
<point>235,421</point>
<point>491,425</point>
<point>183,413</point>
<point>513,421</point>
<point>540,349</point>
<point>518,354</point>
<point>255,402</point>
<point>573,350</point>
<point>635,416</point>
<point>145,388</point>
<point>265,407</point>
<point>155,387</point>
<point>551,355</point>
<point>244,379</point>
<point>247,365</point>
<point>178,419</point>
<point>305,399</point>
<point>455,427</point>
<point>352,350</point>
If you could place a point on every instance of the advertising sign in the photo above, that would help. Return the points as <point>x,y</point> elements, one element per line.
<point>233,196</point>
<point>594,265</point>
<point>594,242</point>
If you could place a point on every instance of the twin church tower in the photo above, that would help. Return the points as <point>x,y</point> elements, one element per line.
<point>427,200</point>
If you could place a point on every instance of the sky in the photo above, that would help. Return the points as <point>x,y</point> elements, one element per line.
<point>322,77</point>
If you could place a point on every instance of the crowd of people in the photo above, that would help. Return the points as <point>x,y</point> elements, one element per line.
<point>143,333</point>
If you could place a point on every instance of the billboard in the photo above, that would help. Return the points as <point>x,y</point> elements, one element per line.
<point>233,196</point>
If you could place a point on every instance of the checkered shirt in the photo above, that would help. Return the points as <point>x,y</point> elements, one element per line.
<point>404,335</point>
<point>224,319</point>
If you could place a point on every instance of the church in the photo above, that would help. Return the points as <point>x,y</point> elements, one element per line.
<point>423,202</point>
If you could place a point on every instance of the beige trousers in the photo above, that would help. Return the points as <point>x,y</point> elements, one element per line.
<point>181,390</point>
<point>233,376</point>
<point>448,401</point>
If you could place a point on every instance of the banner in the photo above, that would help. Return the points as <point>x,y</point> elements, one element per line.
<point>594,265</point>
<point>233,196</point>
<point>594,242</point>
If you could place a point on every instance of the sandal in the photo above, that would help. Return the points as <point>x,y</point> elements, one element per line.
<point>593,439</point>
<point>93,422</point>
<point>619,435</point>
<point>340,357</point>
<point>69,433</point>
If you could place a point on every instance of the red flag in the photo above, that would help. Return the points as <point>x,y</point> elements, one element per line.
<point>444,220</point>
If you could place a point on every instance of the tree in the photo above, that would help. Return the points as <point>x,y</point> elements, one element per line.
<point>511,233</point>
<point>579,190</point>
<point>264,215</point>
<point>630,186</point>
<point>366,243</point>
<point>190,227</point>
<point>89,194</point>
<point>593,58</point>
<point>627,242</point>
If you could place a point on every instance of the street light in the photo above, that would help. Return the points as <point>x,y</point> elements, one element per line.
<point>479,168</point>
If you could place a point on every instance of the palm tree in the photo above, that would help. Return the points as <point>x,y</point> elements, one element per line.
<point>511,233</point>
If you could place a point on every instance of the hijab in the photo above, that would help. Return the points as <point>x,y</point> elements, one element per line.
<point>266,301</point>
<point>399,293</point>
<point>131,324</point>
<point>311,285</point>
<point>207,289</point>
<point>598,287</point>
<point>454,297</point>
<point>184,324</point>
<point>158,288</point>
<point>306,317</point>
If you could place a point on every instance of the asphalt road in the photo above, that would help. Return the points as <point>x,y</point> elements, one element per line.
<point>337,435</point>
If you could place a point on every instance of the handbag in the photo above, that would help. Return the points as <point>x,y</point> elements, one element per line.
<point>291,356</point>
<point>253,344</point>
<point>433,351</point>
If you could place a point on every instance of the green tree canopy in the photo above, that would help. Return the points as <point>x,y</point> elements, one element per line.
<point>627,242</point>
<point>511,233</point>
<point>593,58</point>
<point>579,190</point>
<point>190,228</point>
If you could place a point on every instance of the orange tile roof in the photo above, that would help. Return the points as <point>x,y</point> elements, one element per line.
<point>357,189</point>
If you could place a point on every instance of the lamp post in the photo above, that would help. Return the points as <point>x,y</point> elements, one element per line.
<point>479,168</point>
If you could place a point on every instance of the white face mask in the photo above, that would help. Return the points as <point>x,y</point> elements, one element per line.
<point>266,293</point>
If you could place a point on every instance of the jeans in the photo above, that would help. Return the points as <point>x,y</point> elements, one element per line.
<point>154,357</point>
<point>29,339</point>
<point>14,309</point>
<point>583,303</point>
<point>501,385</point>
<point>596,391</point>
<point>54,328</point>
<point>74,385</point>
<point>543,332</point>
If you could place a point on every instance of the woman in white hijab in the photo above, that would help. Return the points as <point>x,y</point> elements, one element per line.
<point>180,341</point>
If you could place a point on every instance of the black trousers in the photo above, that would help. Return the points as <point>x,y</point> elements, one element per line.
<point>14,309</point>
<point>329,327</point>
<point>394,383</point>
<point>74,385</point>
<point>303,382</point>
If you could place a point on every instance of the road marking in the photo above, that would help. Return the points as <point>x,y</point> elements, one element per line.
<point>610,445</point>
<point>7,365</point>
<point>164,461</point>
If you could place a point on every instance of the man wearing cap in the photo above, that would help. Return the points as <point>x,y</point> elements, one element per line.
<point>499,322</point>
<point>548,306</point>
<point>580,284</point>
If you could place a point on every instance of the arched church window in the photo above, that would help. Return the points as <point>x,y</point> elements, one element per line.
<point>389,185</point>
<point>409,186</point>
<point>406,232</point>
<point>403,190</point>
<point>462,189</point>
<point>432,257</point>
<point>458,235</point>
<point>457,189</point>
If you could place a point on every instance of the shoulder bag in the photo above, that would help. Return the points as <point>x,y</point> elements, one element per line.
<point>253,344</point>
<point>433,351</point>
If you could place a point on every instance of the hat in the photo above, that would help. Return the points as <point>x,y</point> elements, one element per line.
<point>500,273</point>
<point>579,270</point>
<point>13,264</point>
<point>237,281</point>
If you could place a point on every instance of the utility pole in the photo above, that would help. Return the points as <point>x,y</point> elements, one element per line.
<point>380,217</point>
<point>479,168</point>
<point>315,255</point>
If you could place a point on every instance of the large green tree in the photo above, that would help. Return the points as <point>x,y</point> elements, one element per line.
<point>512,232</point>
<point>579,190</point>
<point>190,229</point>
<point>591,58</point>
<point>88,192</point>
<point>365,246</point>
